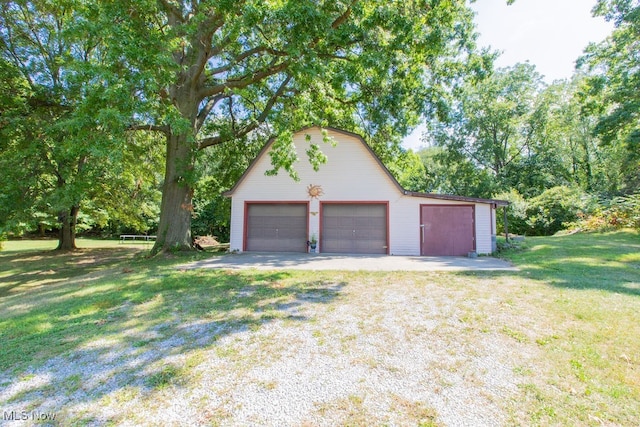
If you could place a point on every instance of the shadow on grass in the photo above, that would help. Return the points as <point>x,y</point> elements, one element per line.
<point>608,262</point>
<point>41,268</point>
<point>94,334</point>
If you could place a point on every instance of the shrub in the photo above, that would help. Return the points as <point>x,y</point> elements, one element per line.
<point>625,212</point>
<point>619,212</point>
<point>555,209</point>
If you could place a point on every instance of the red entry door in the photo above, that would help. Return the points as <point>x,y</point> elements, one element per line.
<point>447,230</point>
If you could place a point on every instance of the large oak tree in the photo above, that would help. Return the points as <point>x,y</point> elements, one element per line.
<point>208,72</point>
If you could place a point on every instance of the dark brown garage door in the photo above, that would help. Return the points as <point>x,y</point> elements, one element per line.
<point>354,228</point>
<point>447,230</point>
<point>276,227</point>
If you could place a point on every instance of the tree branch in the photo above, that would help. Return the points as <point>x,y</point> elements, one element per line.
<point>204,111</point>
<point>172,9</point>
<point>525,144</point>
<point>34,39</point>
<point>477,159</point>
<point>342,18</point>
<point>336,23</point>
<point>9,48</point>
<point>206,51</point>
<point>334,56</point>
<point>154,128</point>
<point>215,140</point>
<point>273,68</point>
<point>237,59</point>
<point>243,81</point>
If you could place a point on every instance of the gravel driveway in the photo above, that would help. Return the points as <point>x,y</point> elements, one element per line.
<point>294,261</point>
<point>397,349</point>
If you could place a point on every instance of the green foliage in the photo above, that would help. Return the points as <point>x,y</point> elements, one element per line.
<point>612,89</point>
<point>492,122</point>
<point>212,217</point>
<point>509,131</point>
<point>435,172</point>
<point>409,171</point>
<point>283,155</point>
<point>510,136</point>
<point>516,213</point>
<point>210,73</point>
<point>554,209</point>
<point>616,73</point>
<point>219,169</point>
<point>451,172</point>
<point>79,77</point>
<point>624,211</point>
<point>505,130</point>
<point>64,154</point>
<point>573,153</point>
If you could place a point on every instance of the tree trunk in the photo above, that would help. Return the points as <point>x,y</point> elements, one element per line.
<point>174,229</point>
<point>587,165</point>
<point>68,221</point>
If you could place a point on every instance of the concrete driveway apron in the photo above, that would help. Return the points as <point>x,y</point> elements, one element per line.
<point>296,261</point>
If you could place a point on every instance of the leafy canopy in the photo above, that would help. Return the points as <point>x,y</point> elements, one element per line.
<point>206,73</point>
<point>62,145</point>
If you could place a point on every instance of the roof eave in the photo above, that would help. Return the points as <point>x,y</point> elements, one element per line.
<point>457,198</point>
<point>395,182</point>
<point>264,149</point>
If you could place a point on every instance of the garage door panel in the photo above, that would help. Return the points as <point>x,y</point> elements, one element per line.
<point>362,246</point>
<point>344,222</point>
<point>372,223</point>
<point>354,228</point>
<point>448,230</point>
<point>378,235</point>
<point>276,227</point>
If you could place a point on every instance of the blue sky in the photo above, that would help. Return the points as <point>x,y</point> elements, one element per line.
<point>550,34</point>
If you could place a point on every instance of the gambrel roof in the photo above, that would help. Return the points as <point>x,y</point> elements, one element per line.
<point>386,171</point>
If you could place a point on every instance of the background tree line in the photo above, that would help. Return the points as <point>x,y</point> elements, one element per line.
<point>119,116</point>
<point>565,154</point>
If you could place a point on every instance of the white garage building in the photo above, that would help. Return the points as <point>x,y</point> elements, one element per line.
<point>352,204</point>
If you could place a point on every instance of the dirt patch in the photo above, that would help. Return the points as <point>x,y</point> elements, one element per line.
<point>207,241</point>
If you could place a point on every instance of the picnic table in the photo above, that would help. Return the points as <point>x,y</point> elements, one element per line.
<point>145,237</point>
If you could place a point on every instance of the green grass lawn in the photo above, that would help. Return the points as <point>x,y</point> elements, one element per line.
<point>587,287</point>
<point>573,309</point>
<point>81,243</point>
<point>608,262</point>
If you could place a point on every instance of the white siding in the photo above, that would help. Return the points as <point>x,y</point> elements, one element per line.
<point>483,228</point>
<point>350,174</point>
<point>405,231</point>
